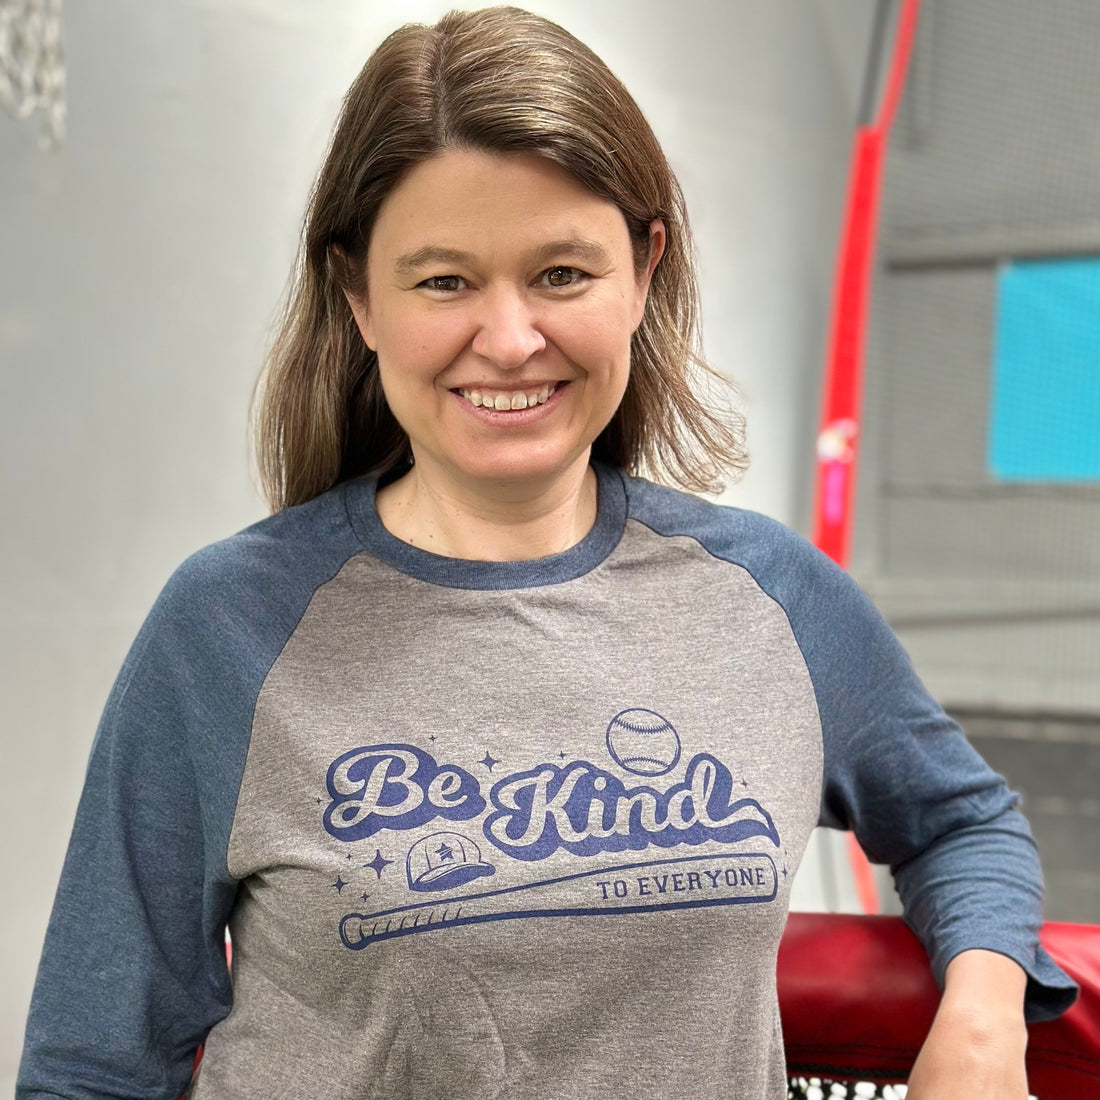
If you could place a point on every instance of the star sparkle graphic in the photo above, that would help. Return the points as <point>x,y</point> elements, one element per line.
<point>445,852</point>
<point>488,761</point>
<point>339,885</point>
<point>379,863</point>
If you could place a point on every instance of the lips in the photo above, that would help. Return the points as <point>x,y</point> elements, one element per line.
<point>508,400</point>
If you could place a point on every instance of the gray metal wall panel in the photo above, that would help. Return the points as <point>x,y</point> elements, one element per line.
<point>992,587</point>
<point>937,390</point>
<point>933,534</point>
<point>1055,765</point>
<point>1012,132</point>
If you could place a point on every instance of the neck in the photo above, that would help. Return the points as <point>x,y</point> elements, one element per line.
<point>490,522</point>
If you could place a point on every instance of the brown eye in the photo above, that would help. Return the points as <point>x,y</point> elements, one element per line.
<point>561,276</point>
<point>443,282</point>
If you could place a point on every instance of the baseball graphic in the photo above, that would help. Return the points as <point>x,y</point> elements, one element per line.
<point>643,742</point>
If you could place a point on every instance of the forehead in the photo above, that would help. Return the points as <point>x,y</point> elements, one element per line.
<point>464,197</point>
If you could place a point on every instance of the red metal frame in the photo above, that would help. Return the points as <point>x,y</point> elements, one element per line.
<point>841,407</point>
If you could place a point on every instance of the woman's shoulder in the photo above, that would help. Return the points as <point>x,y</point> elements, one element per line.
<point>738,535</point>
<point>811,588</point>
<point>270,569</point>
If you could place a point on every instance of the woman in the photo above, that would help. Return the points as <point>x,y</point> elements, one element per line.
<point>497,760</point>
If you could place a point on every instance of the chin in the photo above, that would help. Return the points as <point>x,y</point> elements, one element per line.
<point>522,467</point>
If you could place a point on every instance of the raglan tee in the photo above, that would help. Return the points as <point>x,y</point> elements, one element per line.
<point>521,829</point>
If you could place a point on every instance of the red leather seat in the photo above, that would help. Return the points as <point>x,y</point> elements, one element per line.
<point>857,998</point>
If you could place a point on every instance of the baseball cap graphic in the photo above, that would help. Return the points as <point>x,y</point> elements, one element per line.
<point>444,860</point>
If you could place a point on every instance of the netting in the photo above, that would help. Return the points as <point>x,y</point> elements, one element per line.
<point>822,1088</point>
<point>830,1088</point>
<point>32,65</point>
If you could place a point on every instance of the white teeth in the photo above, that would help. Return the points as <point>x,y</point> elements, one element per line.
<point>509,401</point>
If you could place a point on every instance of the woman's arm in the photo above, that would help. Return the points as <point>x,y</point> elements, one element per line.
<point>899,773</point>
<point>977,1042</point>
<point>133,971</point>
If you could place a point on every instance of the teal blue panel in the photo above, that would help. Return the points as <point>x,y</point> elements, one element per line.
<point>1045,416</point>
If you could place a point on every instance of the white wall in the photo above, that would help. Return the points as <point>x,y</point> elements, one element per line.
<point>140,267</point>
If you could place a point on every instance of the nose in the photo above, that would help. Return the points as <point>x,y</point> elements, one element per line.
<point>507,330</point>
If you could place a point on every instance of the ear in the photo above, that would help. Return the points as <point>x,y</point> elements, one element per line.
<point>360,310</point>
<point>340,270</point>
<point>657,238</point>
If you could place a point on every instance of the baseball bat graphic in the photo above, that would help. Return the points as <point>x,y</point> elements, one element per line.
<point>689,882</point>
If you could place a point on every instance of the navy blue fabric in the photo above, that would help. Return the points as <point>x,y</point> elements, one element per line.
<point>898,771</point>
<point>133,973</point>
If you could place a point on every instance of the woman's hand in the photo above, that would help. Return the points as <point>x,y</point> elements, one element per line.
<point>978,1039</point>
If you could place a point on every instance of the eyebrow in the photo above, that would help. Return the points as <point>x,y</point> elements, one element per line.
<point>580,247</point>
<point>424,257</point>
<point>583,249</point>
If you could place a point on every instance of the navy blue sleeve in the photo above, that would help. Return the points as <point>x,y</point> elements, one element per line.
<point>133,972</point>
<point>898,771</point>
<point>901,775</point>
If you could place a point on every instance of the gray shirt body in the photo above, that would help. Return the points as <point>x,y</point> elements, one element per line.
<point>486,829</point>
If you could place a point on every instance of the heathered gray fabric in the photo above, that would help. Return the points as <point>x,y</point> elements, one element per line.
<point>507,686</point>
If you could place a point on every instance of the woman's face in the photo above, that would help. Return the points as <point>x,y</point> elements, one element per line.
<point>501,298</point>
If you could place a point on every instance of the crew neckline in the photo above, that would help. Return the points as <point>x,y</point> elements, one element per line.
<point>495,575</point>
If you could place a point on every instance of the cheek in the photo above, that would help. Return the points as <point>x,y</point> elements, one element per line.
<point>599,334</point>
<point>415,343</point>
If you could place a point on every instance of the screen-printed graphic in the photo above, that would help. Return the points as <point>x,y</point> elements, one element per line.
<point>628,830</point>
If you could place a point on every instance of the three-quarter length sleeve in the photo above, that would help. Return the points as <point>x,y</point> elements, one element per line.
<point>899,772</point>
<point>133,972</point>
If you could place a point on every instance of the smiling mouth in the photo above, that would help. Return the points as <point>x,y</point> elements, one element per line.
<point>504,401</point>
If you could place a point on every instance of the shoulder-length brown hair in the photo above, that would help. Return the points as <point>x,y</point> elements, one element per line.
<point>502,80</point>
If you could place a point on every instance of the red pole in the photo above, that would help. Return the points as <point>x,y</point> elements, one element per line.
<point>838,435</point>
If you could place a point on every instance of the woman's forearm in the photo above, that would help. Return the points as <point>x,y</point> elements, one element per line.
<point>978,1040</point>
